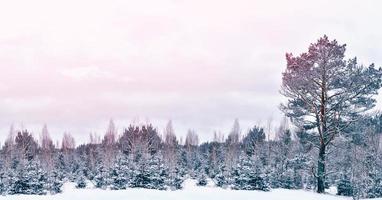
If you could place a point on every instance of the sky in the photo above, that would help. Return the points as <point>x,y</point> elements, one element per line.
<point>76,64</point>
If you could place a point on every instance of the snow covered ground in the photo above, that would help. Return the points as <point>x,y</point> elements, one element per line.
<point>190,191</point>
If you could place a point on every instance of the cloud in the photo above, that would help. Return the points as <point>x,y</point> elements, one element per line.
<point>3,87</point>
<point>201,63</point>
<point>87,73</point>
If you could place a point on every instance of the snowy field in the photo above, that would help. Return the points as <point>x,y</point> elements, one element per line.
<point>190,191</point>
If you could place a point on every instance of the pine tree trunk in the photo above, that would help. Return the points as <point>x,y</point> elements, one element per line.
<point>321,170</point>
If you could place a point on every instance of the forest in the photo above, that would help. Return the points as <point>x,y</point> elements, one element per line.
<point>330,137</point>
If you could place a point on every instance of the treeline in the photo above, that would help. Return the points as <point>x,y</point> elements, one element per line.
<point>140,157</point>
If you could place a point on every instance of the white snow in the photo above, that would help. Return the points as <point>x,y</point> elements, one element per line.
<point>332,190</point>
<point>190,191</point>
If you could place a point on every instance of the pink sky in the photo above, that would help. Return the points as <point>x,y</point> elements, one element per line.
<point>202,63</point>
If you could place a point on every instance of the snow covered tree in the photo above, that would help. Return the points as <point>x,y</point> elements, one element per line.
<point>157,173</point>
<point>47,148</point>
<point>374,186</point>
<point>202,180</point>
<point>345,187</point>
<point>9,148</point>
<point>192,139</point>
<point>249,176</point>
<point>11,178</point>
<point>171,157</point>
<point>3,180</point>
<point>253,140</point>
<point>60,165</point>
<point>170,146</point>
<point>81,180</point>
<point>288,179</point>
<point>149,174</point>
<point>175,183</point>
<point>68,143</point>
<point>222,177</point>
<point>30,179</point>
<point>26,145</point>
<point>191,155</point>
<point>373,179</point>
<point>232,144</point>
<point>101,178</point>
<point>109,144</point>
<point>120,173</point>
<point>139,140</point>
<point>326,94</point>
<point>282,162</point>
<point>175,178</point>
<point>55,182</point>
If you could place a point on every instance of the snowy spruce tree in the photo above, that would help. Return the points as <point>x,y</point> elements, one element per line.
<point>10,181</point>
<point>31,179</point>
<point>3,180</point>
<point>174,179</point>
<point>55,182</point>
<point>249,176</point>
<point>101,179</point>
<point>81,180</point>
<point>202,180</point>
<point>345,187</point>
<point>120,173</point>
<point>149,174</point>
<point>221,178</point>
<point>156,173</point>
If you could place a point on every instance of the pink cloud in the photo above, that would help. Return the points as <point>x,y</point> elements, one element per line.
<point>75,64</point>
